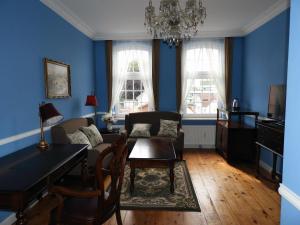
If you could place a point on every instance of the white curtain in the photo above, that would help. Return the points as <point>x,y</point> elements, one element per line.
<point>203,57</point>
<point>125,52</point>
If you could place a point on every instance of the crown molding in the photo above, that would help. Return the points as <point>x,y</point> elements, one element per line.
<point>144,36</point>
<point>290,196</point>
<point>69,16</point>
<point>266,16</point>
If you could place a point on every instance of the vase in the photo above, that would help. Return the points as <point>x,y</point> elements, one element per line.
<point>109,126</point>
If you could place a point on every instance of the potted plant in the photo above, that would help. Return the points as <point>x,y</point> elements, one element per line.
<point>109,120</point>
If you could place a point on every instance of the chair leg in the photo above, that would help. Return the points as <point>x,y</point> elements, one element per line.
<point>118,215</point>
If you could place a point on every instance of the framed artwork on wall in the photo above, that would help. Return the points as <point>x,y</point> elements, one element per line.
<point>57,79</point>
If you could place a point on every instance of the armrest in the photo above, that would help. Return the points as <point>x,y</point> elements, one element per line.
<point>180,133</point>
<point>67,192</point>
<point>110,138</point>
<point>124,132</point>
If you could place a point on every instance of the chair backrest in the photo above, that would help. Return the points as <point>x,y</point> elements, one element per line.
<point>152,118</point>
<point>116,171</point>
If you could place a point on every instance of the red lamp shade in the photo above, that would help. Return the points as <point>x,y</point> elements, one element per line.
<point>49,115</point>
<point>91,100</point>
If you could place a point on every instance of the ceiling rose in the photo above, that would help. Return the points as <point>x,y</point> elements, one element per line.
<point>174,24</point>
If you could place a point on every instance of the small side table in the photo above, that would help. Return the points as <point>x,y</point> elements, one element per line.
<point>110,136</point>
<point>113,131</point>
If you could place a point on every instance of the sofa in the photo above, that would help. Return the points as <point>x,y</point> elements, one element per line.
<point>154,118</point>
<point>59,136</point>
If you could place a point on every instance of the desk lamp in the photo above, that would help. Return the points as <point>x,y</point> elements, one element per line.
<point>48,116</point>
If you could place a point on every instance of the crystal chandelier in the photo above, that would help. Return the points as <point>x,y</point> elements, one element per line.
<point>174,24</point>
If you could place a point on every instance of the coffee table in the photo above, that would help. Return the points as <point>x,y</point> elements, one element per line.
<point>152,153</point>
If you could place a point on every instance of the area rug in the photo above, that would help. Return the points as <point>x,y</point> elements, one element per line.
<point>152,190</point>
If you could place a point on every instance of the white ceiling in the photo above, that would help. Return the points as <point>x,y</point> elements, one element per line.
<point>124,19</point>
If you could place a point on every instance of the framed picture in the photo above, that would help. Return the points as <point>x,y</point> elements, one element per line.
<point>57,79</point>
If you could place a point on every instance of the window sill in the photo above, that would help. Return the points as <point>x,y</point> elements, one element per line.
<point>199,118</point>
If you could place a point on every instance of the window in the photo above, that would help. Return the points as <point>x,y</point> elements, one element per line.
<point>203,80</point>
<point>132,77</point>
<point>132,96</point>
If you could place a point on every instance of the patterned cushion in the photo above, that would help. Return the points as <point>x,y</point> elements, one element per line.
<point>92,134</point>
<point>168,128</point>
<point>140,130</point>
<point>79,138</point>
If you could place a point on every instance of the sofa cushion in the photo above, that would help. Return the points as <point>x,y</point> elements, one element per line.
<point>92,134</point>
<point>79,137</point>
<point>140,130</point>
<point>168,128</point>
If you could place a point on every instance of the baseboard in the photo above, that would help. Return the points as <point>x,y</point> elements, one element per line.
<point>290,196</point>
<point>199,146</point>
<point>9,220</point>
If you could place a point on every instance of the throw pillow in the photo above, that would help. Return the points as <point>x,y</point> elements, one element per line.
<point>79,138</point>
<point>92,134</point>
<point>168,128</point>
<point>140,130</point>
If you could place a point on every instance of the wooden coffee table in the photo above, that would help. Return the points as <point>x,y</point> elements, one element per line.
<point>152,153</point>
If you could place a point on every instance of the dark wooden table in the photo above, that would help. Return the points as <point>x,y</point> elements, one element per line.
<point>152,153</point>
<point>26,174</point>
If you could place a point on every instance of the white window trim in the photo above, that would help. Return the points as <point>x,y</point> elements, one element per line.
<point>212,116</point>
<point>200,75</point>
<point>129,76</point>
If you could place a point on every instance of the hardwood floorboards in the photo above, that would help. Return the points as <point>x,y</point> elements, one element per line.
<point>226,194</point>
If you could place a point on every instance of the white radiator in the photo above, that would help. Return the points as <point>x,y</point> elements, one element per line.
<point>199,136</point>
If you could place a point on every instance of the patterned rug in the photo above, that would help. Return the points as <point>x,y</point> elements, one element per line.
<point>152,190</point>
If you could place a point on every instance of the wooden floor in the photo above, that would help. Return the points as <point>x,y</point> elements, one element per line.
<point>227,195</point>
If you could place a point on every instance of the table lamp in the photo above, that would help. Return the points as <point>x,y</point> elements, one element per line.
<point>48,116</point>
<point>91,100</point>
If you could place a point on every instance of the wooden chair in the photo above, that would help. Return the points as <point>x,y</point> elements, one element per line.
<point>95,206</point>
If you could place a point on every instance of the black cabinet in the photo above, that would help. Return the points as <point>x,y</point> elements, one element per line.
<point>270,136</point>
<point>235,140</point>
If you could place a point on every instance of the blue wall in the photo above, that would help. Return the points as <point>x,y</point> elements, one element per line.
<point>237,67</point>
<point>265,63</point>
<point>291,166</point>
<point>167,81</point>
<point>29,32</point>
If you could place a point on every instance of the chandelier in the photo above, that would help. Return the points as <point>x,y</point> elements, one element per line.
<point>174,24</point>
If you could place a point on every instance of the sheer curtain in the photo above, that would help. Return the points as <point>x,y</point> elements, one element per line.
<point>123,54</point>
<point>203,57</point>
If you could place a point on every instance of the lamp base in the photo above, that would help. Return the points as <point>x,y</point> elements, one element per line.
<point>43,145</point>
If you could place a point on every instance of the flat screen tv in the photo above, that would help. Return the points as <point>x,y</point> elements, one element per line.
<point>276,108</point>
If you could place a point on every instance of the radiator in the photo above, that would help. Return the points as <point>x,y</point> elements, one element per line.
<point>199,136</point>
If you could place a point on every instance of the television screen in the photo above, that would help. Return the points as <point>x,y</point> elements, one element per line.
<point>277,102</point>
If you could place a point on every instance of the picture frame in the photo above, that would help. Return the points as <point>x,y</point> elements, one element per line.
<point>57,79</point>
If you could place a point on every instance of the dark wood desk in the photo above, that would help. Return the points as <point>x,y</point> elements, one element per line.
<point>235,140</point>
<point>152,153</point>
<point>26,174</point>
<point>270,137</point>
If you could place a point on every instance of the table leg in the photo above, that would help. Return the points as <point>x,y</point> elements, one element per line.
<point>257,159</point>
<point>132,176</point>
<point>274,166</point>
<point>171,167</point>
<point>20,218</point>
<point>84,172</point>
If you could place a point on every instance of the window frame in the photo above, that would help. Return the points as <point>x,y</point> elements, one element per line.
<point>129,76</point>
<point>200,75</point>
